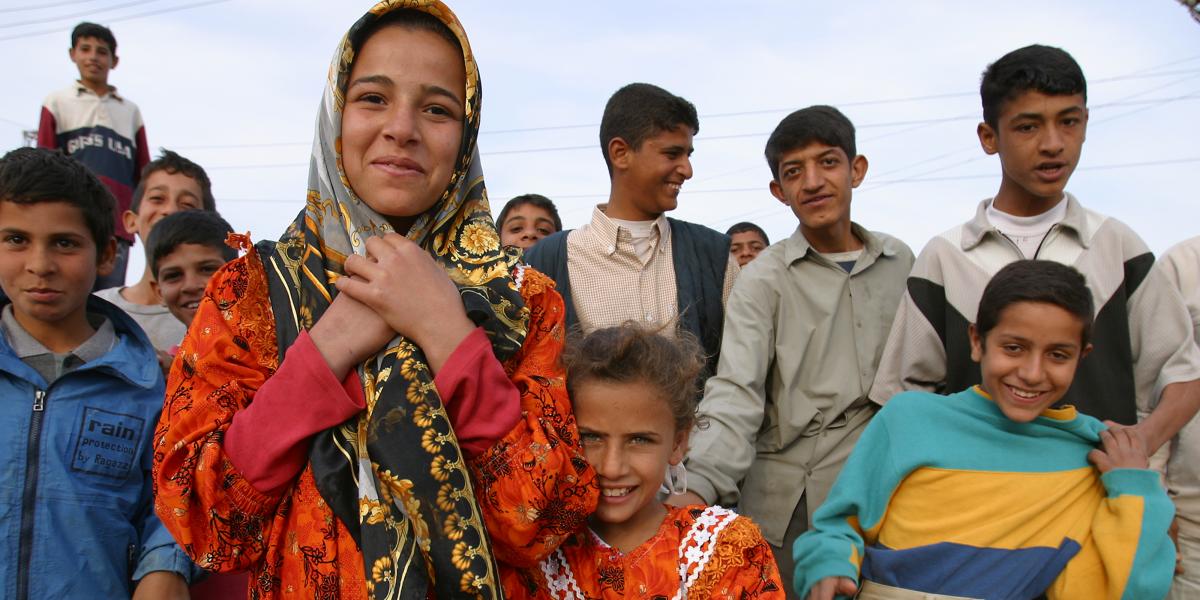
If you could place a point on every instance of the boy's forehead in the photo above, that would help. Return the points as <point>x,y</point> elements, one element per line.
<point>1046,319</point>
<point>177,179</point>
<point>90,40</point>
<point>1032,101</point>
<point>190,253</point>
<point>812,149</point>
<point>46,217</point>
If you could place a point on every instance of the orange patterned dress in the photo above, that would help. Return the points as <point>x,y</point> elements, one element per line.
<point>698,552</point>
<point>533,485</point>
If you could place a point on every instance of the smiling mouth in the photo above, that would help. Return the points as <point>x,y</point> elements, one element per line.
<point>1025,396</point>
<point>816,199</point>
<point>616,492</point>
<point>1051,170</point>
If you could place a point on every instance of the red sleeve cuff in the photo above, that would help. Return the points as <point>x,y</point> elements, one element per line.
<point>482,402</point>
<point>268,440</point>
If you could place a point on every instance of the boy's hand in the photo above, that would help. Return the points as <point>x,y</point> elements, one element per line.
<point>402,283</point>
<point>829,587</point>
<point>1120,448</point>
<point>347,333</point>
<point>159,585</point>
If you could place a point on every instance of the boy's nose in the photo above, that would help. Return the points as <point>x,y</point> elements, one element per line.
<point>685,168</point>
<point>1032,370</point>
<point>1052,141</point>
<point>39,262</point>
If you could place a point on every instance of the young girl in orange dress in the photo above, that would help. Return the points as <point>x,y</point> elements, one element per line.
<point>634,396</point>
<point>373,405</point>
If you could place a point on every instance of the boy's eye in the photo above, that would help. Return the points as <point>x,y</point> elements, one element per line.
<point>1026,127</point>
<point>588,437</point>
<point>1011,348</point>
<point>544,231</point>
<point>791,172</point>
<point>829,161</point>
<point>66,243</point>
<point>14,239</point>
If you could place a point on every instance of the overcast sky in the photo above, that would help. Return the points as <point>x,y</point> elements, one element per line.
<point>234,85</point>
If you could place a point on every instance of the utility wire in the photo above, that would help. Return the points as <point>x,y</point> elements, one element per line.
<point>74,17</point>
<point>11,9</point>
<point>148,13</point>
<point>1126,77</point>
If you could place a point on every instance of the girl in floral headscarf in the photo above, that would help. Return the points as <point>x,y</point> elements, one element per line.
<point>372,406</point>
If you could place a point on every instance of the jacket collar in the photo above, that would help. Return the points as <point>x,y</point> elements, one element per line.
<point>81,90</point>
<point>132,358</point>
<point>975,230</point>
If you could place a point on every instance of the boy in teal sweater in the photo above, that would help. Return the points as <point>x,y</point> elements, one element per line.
<point>988,493</point>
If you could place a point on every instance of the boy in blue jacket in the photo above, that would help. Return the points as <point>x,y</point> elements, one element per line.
<point>990,493</point>
<point>81,393</point>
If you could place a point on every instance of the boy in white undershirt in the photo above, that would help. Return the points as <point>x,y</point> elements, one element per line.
<point>1144,370</point>
<point>631,262</point>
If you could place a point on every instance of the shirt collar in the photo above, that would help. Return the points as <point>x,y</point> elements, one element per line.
<point>798,248</point>
<point>606,231</point>
<point>979,226</point>
<point>81,89</point>
<point>25,345</point>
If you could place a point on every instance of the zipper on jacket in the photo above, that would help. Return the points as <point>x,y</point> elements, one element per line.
<point>29,493</point>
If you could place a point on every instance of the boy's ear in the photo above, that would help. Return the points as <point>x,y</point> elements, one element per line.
<point>976,343</point>
<point>987,138</point>
<point>154,288</point>
<point>858,170</point>
<point>107,257</point>
<point>129,219</point>
<point>115,61</point>
<point>619,153</point>
<point>777,191</point>
<point>1086,351</point>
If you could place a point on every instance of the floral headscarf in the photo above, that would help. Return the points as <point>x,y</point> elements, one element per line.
<point>395,475</point>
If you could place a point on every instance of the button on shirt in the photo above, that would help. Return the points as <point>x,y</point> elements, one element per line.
<point>612,282</point>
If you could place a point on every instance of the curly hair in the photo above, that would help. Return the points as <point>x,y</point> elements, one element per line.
<point>632,353</point>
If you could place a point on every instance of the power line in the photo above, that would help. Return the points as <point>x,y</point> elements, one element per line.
<point>149,13</point>
<point>1126,77</point>
<point>74,17</point>
<point>43,6</point>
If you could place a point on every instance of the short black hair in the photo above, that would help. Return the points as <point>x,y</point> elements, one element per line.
<point>820,123</point>
<point>92,30</point>
<point>537,200</point>
<point>745,226</point>
<point>187,227</point>
<point>173,163</point>
<point>35,175</point>
<point>641,110</point>
<point>1042,281</point>
<point>1044,69</point>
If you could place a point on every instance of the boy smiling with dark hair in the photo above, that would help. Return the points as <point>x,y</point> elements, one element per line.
<point>100,128</point>
<point>1146,367</point>
<point>81,392</point>
<point>805,326</point>
<point>988,493</point>
<point>616,268</point>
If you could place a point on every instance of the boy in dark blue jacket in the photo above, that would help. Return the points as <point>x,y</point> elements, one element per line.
<point>81,393</point>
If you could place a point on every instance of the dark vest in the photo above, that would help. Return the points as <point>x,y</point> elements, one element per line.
<point>700,256</point>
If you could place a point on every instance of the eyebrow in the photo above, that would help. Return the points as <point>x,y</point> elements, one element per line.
<point>164,188</point>
<point>436,90</point>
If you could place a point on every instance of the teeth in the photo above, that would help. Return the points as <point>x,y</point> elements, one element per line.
<point>674,186</point>
<point>1024,394</point>
<point>614,492</point>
